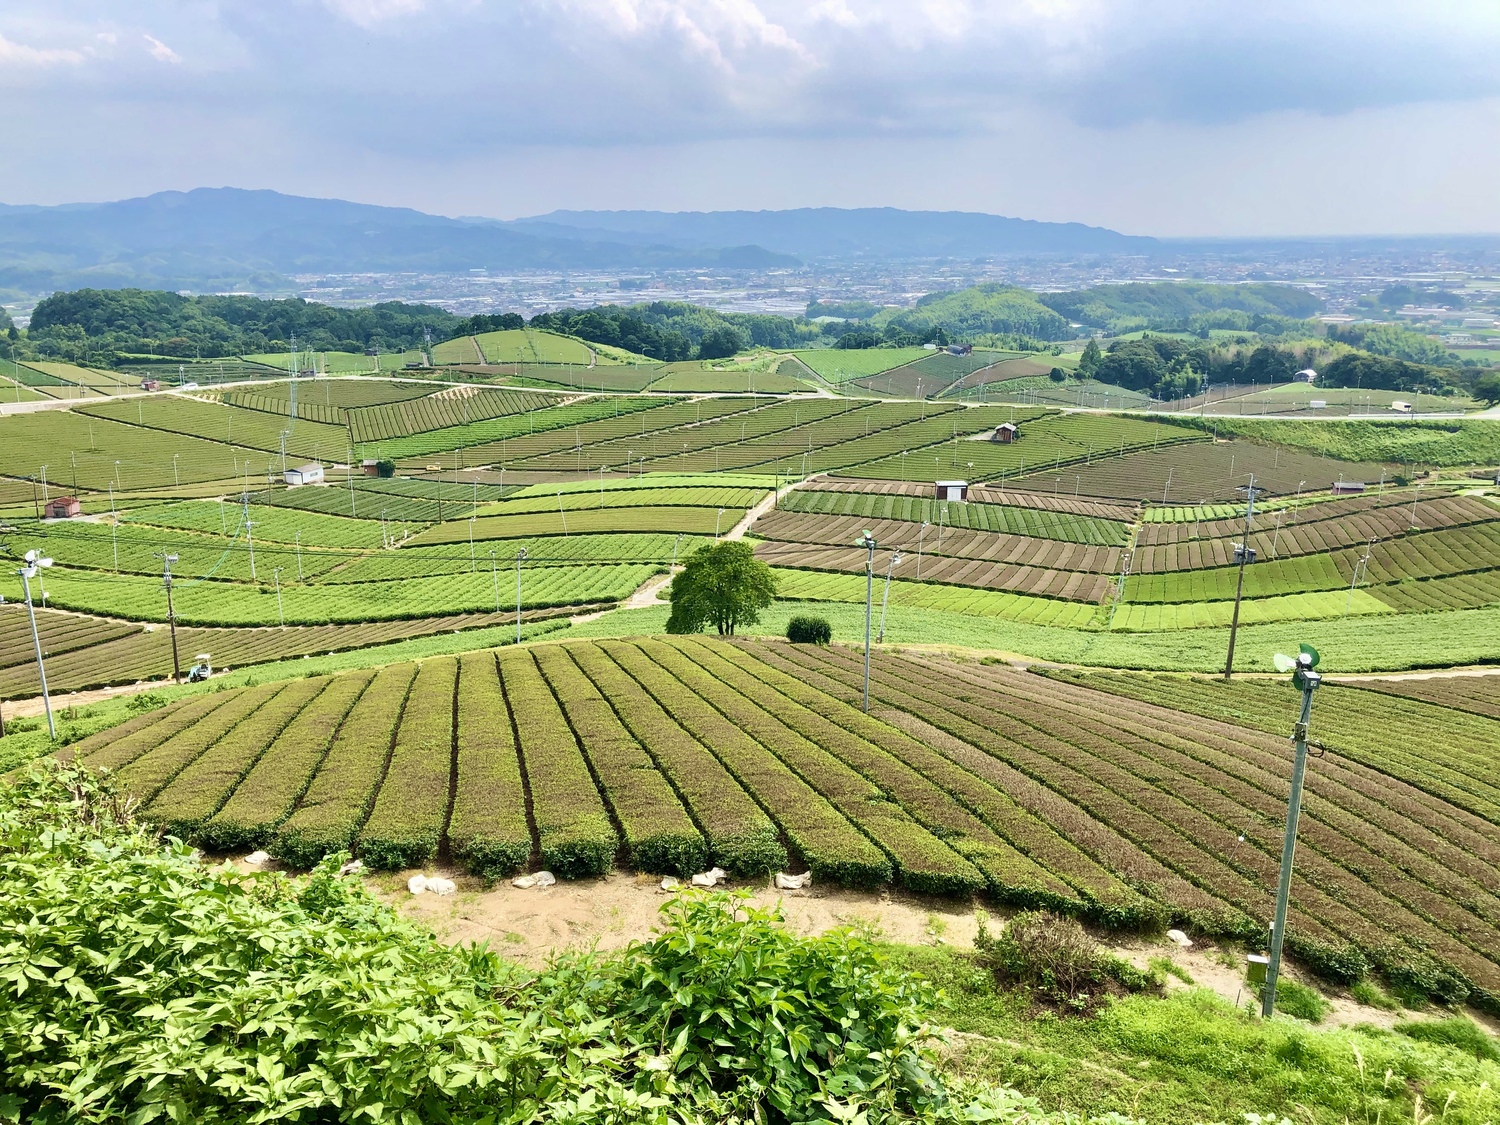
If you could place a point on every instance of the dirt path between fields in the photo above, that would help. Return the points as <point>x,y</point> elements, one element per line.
<point>646,595</point>
<point>530,925</point>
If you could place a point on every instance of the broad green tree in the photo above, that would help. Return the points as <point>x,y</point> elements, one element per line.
<point>723,585</point>
<point>1088,362</point>
<point>1487,388</point>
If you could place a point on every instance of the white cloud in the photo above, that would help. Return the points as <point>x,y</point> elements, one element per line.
<point>22,55</point>
<point>160,51</point>
<point>1134,113</point>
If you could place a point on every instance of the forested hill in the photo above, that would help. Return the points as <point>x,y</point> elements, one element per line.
<point>130,321</point>
<point>1180,304</point>
<point>155,322</point>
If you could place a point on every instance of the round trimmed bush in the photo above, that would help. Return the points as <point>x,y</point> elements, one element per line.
<point>807,630</point>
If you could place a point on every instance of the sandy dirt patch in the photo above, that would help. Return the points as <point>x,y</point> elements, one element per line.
<point>530,925</point>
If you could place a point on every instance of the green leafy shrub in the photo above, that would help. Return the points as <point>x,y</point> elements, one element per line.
<point>804,629</point>
<point>770,1023</point>
<point>1295,999</point>
<point>1456,1031</point>
<point>1057,959</point>
<point>170,990</point>
<point>145,701</point>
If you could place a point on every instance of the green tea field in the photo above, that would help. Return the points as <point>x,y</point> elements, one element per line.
<point>673,755</point>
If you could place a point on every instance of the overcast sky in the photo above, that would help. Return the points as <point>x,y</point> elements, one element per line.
<point>1198,117</point>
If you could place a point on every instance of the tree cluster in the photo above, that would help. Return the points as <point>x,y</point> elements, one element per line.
<point>1168,367</point>
<point>976,311</point>
<point>489,322</point>
<point>1383,373</point>
<point>153,322</point>
<point>618,328</point>
<point>1395,341</point>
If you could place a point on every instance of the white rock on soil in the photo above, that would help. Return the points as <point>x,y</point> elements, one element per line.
<point>353,867</point>
<point>441,886</point>
<point>417,884</point>
<point>545,878</point>
<point>258,858</point>
<point>670,884</point>
<point>1177,937</point>
<point>710,878</point>
<point>785,882</point>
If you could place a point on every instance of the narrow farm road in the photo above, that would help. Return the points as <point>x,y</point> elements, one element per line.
<point>738,530</point>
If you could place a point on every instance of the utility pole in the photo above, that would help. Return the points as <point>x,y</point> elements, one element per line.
<point>886,597</point>
<point>35,562</point>
<point>249,539</point>
<point>1362,563</point>
<point>495,576</point>
<point>1306,679</point>
<point>520,555</point>
<point>867,541</point>
<point>166,581</point>
<point>1243,554</point>
<point>276,577</point>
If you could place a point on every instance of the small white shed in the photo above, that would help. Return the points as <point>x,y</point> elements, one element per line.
<point>951,490</point>
<point>311,473</point>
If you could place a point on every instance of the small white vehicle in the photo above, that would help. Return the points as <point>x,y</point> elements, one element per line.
<point>188,387</point>
<point>201,669</point>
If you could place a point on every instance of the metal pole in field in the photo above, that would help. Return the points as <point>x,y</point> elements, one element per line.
<point>1305,678</point>
<point>166,580</point>
<point>521,554</point>
<point>276,576</point>
<point>249,539</point>
<point>675,544</point>
<point>299,554</point>
<point>920,532</point>
<point>886,597</point>
<point>495,575</point>
<point>471,545</point>
<point>867,541</point>
<point>34,562</point>
<point>1244,554</point>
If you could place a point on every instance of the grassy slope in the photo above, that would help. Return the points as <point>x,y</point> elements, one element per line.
<point>1392,642</point>
<point>1193,1057</point>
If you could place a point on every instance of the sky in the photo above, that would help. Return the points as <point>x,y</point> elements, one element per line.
<point>1194,118</point>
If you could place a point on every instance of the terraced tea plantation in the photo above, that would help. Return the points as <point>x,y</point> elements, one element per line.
<point>673,755</point>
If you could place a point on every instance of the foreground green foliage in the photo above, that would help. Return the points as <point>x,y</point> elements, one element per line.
<point>143,986</point>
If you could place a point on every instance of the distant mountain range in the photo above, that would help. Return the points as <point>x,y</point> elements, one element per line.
<point>836,232</point>
<point>228,238</point>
